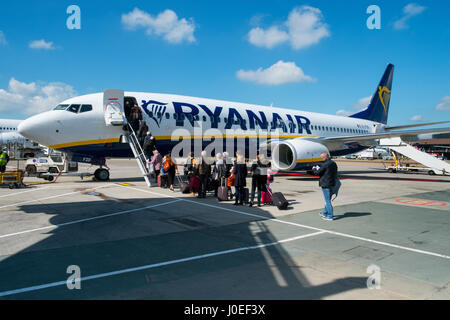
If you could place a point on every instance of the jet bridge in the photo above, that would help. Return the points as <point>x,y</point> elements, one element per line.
<point>432,163</point>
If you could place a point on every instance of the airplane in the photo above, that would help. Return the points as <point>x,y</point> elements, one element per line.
<point>8,131</point>
<point>90,128</point>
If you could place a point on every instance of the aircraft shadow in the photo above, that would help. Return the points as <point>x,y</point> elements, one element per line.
<point>146,236</point>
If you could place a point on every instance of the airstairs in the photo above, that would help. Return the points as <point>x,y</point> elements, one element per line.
<point>432,163</point>
<point>139,154</point>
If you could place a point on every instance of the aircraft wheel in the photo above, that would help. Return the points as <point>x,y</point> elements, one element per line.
<point>31,169</point>
<point>101,174</point>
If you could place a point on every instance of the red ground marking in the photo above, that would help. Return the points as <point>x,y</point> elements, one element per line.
<point>418,202</point>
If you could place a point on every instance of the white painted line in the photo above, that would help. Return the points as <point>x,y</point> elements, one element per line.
<point>14,194</point>
<point>52,197</point>
<point>304,226</point>
<point>156,265</point>
<point>88,219</point>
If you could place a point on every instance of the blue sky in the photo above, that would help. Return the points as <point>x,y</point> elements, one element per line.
<point>336,71</point>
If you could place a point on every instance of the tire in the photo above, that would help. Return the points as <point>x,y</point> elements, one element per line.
<point>53,170</point>
<point>431,173</point>
<point>50,178</point>
<point>101,175</point>
<point>31,169</point>
<point>390,170</point>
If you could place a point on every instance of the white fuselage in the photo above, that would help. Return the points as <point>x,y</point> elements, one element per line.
<point>170,117</point>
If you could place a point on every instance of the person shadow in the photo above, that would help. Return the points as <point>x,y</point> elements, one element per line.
<point>351,215</point>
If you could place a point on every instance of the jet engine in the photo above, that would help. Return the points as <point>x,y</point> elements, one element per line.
<point>287,155</point>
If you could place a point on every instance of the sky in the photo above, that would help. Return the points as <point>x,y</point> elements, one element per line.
<point>317,56</point>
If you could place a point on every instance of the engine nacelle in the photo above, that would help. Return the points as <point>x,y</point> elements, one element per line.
<point>289,154</point>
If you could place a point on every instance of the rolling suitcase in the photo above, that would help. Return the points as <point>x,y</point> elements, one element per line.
<point>279,200</point>
<point>266,196</point>
<point>184,185</point>
<point>194,184</point>
<point>222,193</point>
<point>163,181</point>
<point>246,195</point>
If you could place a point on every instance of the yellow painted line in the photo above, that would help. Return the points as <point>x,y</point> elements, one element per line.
<point>86,142</point>
<point>124,184</point>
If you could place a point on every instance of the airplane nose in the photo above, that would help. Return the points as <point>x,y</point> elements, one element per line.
<point>35,128</point>
<point>26,129</point>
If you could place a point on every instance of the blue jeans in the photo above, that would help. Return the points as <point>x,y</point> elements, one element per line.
<point>328,211</point>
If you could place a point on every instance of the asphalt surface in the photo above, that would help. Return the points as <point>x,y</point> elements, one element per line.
<point>390,240</point>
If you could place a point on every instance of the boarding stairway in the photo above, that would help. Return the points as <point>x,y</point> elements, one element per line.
<point>139,154</point>
<point>396,144</point>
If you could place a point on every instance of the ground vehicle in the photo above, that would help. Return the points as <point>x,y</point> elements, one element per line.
<point>398,167</point>
<point>55,163</point>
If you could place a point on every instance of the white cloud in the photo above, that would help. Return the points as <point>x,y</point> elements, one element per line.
<point>279,73</point>
<point>165,24</point>
<point>32,98</point>
<point>3,39</point>
<point>304,27</point>
<point>409,11</point>
<point>357,107</point>
<point>344,113</point>
<point>418,118</point>
<point>267,38</point>
<point>444,104</point>
<point>41,44</point>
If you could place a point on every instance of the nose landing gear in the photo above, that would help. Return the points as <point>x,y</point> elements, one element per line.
<point>101,174</point>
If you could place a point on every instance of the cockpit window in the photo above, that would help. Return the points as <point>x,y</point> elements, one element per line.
<point>61,107</point>
<point>85,108</point>
<point>74,108</point>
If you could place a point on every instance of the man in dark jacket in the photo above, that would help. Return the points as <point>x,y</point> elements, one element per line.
<point>204,171</point>
<point>240,173</point>
<point>149,145</point>
<point>328,175</point>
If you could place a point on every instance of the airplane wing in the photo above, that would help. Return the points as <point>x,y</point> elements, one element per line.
<point>382,135</point>
<point>414,125</point>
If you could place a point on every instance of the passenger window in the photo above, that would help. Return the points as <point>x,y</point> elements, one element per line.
<point>85,108</point>
<point>74,108</point>
<point>167,116</point>
<point>204,118</point>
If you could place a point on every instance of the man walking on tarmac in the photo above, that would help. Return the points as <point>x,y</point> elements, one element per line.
<point>4,159</point>
<point>328,176</point>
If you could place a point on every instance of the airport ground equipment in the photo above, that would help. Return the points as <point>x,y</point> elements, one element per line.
<point>432,164</point>
<point>139,154</point>
<point>12,179</point>
<point>53,165</point>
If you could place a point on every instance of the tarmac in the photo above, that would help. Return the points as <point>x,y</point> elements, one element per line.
<point>82,239</point>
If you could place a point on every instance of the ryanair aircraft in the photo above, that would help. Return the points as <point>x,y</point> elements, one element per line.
<point>90,127</point>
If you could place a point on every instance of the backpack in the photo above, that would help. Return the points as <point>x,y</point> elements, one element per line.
<point>166,166</point>
<point>335,189</point>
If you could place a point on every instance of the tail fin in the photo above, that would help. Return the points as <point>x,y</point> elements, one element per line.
<point>379,105</point>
